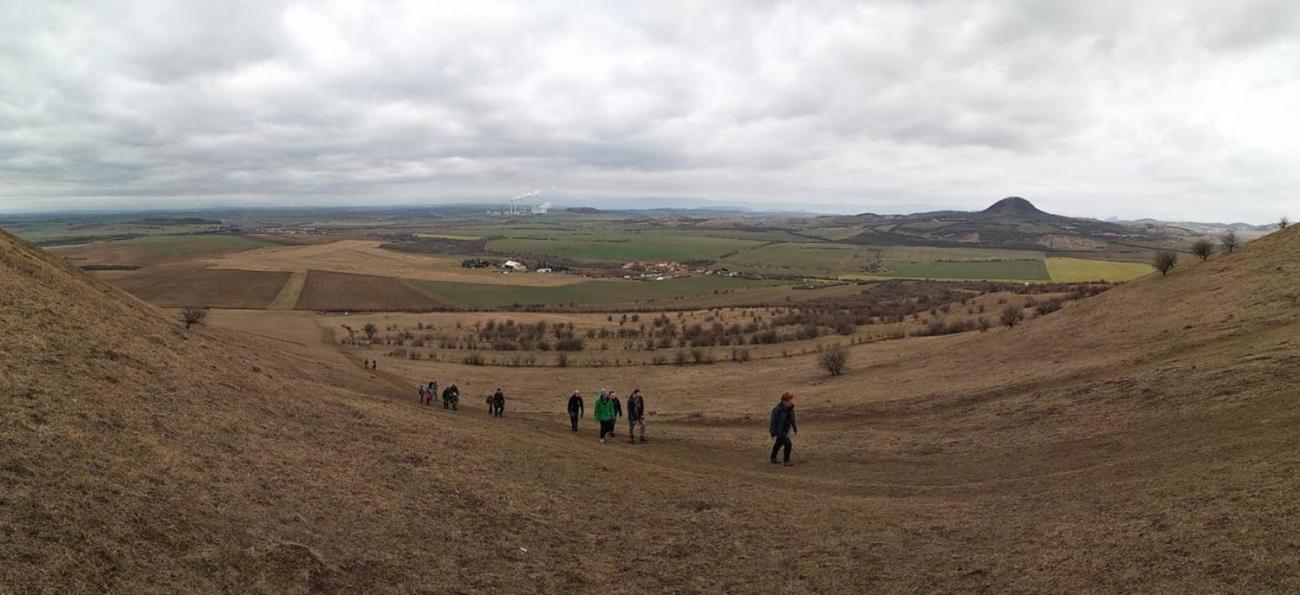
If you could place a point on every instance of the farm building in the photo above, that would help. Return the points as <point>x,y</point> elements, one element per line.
<point>514,265</point>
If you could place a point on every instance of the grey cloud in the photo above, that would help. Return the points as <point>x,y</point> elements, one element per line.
<point>933,103</point>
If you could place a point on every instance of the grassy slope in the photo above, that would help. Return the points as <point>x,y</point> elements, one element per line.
<point>1143,440</point>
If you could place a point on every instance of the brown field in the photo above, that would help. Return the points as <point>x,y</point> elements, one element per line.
<point>1143,440</point>
<point>325,290</point>
<point>176,288</point>
<point>367,258</point>
<point>424,335</point>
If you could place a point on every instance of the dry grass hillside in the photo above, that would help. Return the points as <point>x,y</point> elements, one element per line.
<point>1144,440</point>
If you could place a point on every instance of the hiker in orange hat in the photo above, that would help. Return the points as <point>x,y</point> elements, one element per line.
<point>782,425</point>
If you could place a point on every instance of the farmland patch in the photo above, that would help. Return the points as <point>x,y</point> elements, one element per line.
<point>327,290</point>
<point>206,288</point>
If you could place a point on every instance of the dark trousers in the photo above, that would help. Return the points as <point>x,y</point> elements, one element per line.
<point>606,429</point>
<point>498,410</point>
<point>573,420</point>
<point>782,441</point>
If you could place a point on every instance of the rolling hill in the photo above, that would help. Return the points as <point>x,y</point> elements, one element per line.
<point>1142,440</point>
<point>1015,223</point>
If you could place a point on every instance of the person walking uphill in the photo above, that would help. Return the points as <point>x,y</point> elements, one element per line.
<point>575,408</point>
<point>605,415</point>
<point>635,415</point>
<point>782,425</point>
<point>618,412</point>
<point>498,402</point>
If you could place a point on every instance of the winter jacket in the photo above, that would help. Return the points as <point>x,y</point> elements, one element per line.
<point>498,399</point>
<point>575,405</point>
<point>636,407</point>
<point>605,409</point>
<point>782,420</point>
<point>618,407</point>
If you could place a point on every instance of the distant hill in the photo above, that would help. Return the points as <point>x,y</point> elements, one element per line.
<point>1014,223</point>
<point>1245,230</point>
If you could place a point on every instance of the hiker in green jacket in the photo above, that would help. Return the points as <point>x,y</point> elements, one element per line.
<point>605,414</point>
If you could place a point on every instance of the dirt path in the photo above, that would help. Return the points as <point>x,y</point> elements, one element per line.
<point>288,296</point>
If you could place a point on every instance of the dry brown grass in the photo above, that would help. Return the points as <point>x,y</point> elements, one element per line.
<point>1143,440</point>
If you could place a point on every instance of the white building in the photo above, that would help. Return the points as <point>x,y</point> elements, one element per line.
<point>515,266</point>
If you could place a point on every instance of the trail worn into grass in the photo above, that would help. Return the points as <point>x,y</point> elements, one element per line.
<point>287,299</point>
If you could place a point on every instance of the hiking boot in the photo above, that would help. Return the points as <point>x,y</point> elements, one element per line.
<point>787,463</point>
<point>774,461</point>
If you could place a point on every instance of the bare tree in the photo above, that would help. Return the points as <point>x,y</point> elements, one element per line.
<point>1165,262</point>
<point>1203,249</point>
<point>1230,241</point>
<point>834,359</point>
<point>370,329</point>
<point>193,316</point>
<point>1012,315</point>
<point>1284,223</point>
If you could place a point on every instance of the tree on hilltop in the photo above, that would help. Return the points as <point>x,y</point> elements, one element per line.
<point>1230,241</point>
<point>1203,249</point>
<point>1165,262</point>
<point>1283,223</point>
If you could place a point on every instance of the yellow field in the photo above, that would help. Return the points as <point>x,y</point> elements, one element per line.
<point>364,257</point>
<point>1078,270</point>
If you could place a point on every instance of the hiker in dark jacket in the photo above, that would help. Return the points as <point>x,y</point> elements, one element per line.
<point>498,403</point>
<point>450,397</point>
<point>618,412</point>
<point>575,408</point>
<point>421,394</point>
<point>782,425</point>
<point>635,415</point>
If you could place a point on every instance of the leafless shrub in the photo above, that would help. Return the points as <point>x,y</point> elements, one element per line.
<point>1203,249</point>
<point>834,359</point>
<point>1230,241</point>
<point>1012,315</point>
<point>193,316</point>
<point>1165,262</point>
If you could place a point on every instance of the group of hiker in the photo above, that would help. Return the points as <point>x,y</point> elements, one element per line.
<point>607,409</point>
<point>450,395</point>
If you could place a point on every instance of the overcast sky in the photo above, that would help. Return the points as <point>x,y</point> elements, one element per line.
<point>1182,109</point>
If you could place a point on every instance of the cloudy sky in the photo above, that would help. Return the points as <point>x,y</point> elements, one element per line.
<point>1184,109</point>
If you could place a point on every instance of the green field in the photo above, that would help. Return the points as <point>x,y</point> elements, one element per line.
<point>1004,270</point>
<point>195,245</point>
<point>447,236</point>
<point>900,261</point>
<point>1077,270</point>
<point>585,293</point>
<point>621,246</point>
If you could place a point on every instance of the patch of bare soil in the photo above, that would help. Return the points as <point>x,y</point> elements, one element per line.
<point>324,290</point>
